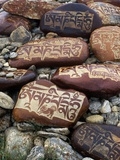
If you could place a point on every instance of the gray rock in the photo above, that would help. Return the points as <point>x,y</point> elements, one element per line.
<point>4,51</point>
<point>55,148</point>
<point>23,126</point>
<point>36,153</point>
<point>63,131</point>
<point>18,144</point>
<point>112,118</point>
<point>20,35</point>
<point>95,106</point>
<point>50,134</point>
<point>115,100</point>
<point>6,101</point>
<point>5,122</point>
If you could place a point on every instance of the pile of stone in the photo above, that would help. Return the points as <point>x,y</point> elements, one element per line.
<point>59,80</point>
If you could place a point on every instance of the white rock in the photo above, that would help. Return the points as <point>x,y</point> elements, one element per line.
<point>105,108</point>
<point>6,101</point>
<point>87,158</point>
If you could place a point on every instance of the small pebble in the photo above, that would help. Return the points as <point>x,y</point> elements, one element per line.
<point>95,119</point>
<point>13,55</point>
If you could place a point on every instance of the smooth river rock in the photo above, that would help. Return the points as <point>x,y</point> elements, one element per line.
<point>9,23</point>
<point>105,43</point>
<point>51,52</point>
<point>72,20</point>
<point>43,103</point>
<point>32,9</point>
<point>99,80</point>
<point>109,14</point>
<point>101,142</point>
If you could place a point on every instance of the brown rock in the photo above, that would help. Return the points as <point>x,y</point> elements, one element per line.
<point>9,22</point>
<point>20,78</point>
<point>105,43</point>
<point>2,2</point>
<point>114,2</point>
<point>72,19</point>
<point>32,9</point>
<point>43,103</point>
<point>51,52</point>
<point>109,14</point>
<point>99,80</point>
<point>101,142</point>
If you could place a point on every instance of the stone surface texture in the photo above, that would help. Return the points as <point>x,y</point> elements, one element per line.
<point>32,9</point>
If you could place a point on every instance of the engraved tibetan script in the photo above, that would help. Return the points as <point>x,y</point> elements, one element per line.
<point>50,102</point>
<point>93,71</point>
<point>57,48</point>
<point>105,38</point>
<point>71,19</point>
<point>99,141</point>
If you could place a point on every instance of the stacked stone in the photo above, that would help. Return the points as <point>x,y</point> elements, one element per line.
<point>60,80</point>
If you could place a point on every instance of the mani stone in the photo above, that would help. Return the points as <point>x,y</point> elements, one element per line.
<point>32,9</point>
<point>2,2</point>
<point>51,52</point>
<point>109,14</point>
<point>114,2</point>
<point>101,142</point>
<point>105,43</point>
<point>44,104</point>
<point>20,78</point>
<point>9,23</point>
<point>72,19</point>
<point>97,80</point>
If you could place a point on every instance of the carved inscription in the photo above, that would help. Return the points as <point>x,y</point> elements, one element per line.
<point>50,102</point>
<point>99,142</point>
<point>109,13</point>
<point>71,19</point>
<point>93,71</point>
<point>103,39</point>
<point>55,48</point>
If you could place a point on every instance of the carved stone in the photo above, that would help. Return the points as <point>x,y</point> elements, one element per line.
<point>43,103</point>
<point>20,78</point>
<point>114,2</point>
<point>109,14</point>
<point>105,43</point>
<point>99,80</point>
<point>101,142</point>
<point>51,52</point>
<point>2,2</point>
<point>9,22</point>
<point>72,19</point>
<point>32,9</point>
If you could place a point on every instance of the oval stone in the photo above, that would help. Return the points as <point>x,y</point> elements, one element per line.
<point>20,78</point>
<point>101,142</point>
<point>72,19</point>
<point>51,52</point>
<point>114,2</point>
<point>32,9</point>
<point>43,103</point>
<point>9,23</point>
<point>105,43</point>
<point>99,80</point>
<point>109,14</point>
